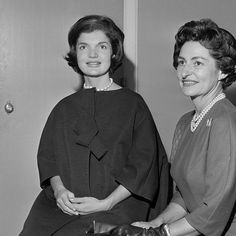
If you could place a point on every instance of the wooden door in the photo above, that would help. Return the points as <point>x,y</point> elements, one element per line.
<point>33,77</point>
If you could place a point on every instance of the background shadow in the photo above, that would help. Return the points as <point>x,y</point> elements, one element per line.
<point>231,93</point>
<point>129,77</point>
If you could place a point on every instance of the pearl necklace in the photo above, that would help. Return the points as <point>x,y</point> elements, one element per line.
<point>198,118</point>
<point>101,89</point>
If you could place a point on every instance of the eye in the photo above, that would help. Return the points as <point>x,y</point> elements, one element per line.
<point>82,47</point>
<point>180,62</point>
<point>198,63</point>
<point>103,46</point>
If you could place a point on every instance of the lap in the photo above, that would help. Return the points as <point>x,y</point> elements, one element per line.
<point>45,218</point>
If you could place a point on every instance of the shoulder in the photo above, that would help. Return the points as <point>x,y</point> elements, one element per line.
<point>225,112</point>
<point>70,99</point>
<point>224,116</point>
<point>132,100</point>
<point>222,132</point>
<point>67,104</point>
<point>134,96</point>
<point>75,99</point>
<point>137,105</point>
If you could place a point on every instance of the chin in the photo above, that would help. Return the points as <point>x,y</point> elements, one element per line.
<point>94,74</point>
<point>188,92</point>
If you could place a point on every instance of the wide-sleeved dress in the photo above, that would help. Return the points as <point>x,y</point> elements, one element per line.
<point>95,141</point>
<point>203,166</point>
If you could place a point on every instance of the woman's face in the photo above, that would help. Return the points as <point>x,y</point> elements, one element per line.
<point>94,53</point>
<point>197,71</point>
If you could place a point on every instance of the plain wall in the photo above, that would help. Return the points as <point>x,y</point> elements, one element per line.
<point>158,22</point>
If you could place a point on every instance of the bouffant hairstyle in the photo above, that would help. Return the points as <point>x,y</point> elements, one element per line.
<point>89,24</point>
<point>220,43</point>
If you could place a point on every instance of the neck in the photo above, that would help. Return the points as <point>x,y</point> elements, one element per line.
<point>201,102</point>
<point>101,84</point>
<point>97,82</point>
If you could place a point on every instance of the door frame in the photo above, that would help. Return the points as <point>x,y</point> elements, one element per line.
<point>130,24</point>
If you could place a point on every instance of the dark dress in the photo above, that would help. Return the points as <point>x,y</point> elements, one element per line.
<point>204,169</point>
<point>95,141</point>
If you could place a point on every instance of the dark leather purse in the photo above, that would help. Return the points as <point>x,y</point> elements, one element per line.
<point>99,229</point>
<point>102,229</point>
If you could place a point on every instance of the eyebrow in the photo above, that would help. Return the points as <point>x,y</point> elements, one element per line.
<point>98,42</point>
<point>194,58</point>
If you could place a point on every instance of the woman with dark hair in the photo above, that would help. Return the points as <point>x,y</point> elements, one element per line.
<point>100,156</point>
<point>203,157</point>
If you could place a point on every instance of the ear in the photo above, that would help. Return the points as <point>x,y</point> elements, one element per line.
<point>221,75</point>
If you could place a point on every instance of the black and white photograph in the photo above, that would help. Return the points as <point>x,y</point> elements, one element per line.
<point>117,118</point>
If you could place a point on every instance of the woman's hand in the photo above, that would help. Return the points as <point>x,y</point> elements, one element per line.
<point>88,205</point>
<point>63,196</point>
<point>63,199</point>
<point>145,225</point>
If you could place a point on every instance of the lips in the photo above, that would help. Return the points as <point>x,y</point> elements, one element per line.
<point>93,63</point>
<point>189,82</point>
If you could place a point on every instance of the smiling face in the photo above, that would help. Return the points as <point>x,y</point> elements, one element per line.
<point>197,71</point>
<point>94,54</point>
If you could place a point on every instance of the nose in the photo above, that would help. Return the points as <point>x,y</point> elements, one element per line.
<point>93,53</point>
<point>186,71</point>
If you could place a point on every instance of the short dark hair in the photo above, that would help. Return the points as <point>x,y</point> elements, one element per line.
<point>220,43</point>
<point>89,24</point>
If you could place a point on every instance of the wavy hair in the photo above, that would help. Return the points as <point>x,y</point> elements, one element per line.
<point>220,43</point>
<point>89,24</point>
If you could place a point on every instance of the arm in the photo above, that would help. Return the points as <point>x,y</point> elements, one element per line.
<point>213,214</point>
<point>211,217</point>
<point>118,195</point>
<point>181,227</point>
<point>172,213</point>
<point>56,183</point>
<point>46,157</point>
<point>174,216</point>
<point>140,173</point>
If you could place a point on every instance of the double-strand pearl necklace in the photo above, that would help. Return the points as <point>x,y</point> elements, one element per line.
<point>198,118</point>
<point>100,89</point>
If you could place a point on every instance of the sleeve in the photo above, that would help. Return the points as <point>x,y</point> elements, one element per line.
<point>177,198</point>
<point>140,175</point>
<point>212,216</point>
<point>46,155</point>
<point>165,188</point>
<point>178,133</point>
